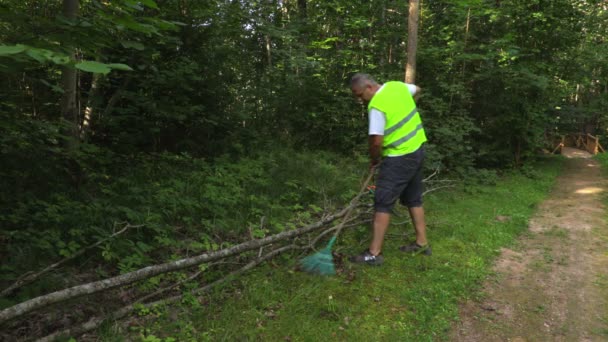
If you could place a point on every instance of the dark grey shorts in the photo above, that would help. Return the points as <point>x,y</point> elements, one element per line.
<point>400,177</point>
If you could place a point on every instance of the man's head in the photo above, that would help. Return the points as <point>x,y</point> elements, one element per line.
<point>363,86</point>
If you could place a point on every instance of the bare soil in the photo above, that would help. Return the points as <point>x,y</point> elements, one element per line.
<point>553,286</point>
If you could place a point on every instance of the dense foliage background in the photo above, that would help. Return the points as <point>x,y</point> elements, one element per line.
<point>197,118</point>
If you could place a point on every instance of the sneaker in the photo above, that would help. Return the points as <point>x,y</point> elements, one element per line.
<point>367,258</point>
<point>417,249</point>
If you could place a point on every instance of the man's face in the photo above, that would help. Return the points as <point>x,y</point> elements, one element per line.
<point>363,93</point>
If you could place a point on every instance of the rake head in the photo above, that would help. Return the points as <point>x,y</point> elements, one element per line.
<point>322,262</point>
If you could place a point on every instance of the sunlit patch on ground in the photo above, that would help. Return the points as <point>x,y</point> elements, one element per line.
<point>589,190</point>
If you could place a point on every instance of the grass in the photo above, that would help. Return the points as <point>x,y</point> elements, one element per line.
<point>406,299</point>
<point>602,279</point>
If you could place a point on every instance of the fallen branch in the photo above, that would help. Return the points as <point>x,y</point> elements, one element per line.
<point>431,175</point>
<point>95,322</point>
<point>165,289</point>
<point>437,188</point>
<point>151,271</point>
<point>29,277</point>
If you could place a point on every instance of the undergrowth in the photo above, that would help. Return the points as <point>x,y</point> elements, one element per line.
<point>406,299</point>
<point>181,206</point>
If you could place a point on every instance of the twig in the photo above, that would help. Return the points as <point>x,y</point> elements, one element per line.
<point>431,176</point>
<point>332,229</point>
<point>442,181</point>
<point>437,188</point>
<point>30,277</point>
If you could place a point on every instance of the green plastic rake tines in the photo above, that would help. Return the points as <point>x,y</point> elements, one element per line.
<point>322,262</point>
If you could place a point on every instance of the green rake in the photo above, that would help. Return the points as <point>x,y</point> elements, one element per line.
<point>322,262</point>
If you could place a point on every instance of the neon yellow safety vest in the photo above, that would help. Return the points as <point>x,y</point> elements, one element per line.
<point>403,132</point>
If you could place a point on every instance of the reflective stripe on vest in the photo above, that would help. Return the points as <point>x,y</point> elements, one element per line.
<point>407,137</point>
<point>402,122</point>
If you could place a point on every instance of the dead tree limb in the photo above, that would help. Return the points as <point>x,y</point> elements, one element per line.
<point>172,286</point>
<point>154,270</point>
<point>95,322</point>
<point>437,188</point>
<point>431,175</point>
<point>30,277</point>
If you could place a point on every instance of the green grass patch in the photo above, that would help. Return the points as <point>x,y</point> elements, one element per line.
<point>406,299</point>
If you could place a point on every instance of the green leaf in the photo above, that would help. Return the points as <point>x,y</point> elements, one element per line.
<point>94,67</point>
<point>60,59</point>
<point>52,86</point>
<point>37,55</point>
<point>11,50</point>
<point>132,45</point>
<point>149,3</point>
<point>120,66</point>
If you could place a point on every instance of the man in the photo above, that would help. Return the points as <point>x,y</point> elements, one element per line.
<point>396,138</point>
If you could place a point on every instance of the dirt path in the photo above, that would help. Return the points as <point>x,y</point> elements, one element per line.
<point>554,285</point>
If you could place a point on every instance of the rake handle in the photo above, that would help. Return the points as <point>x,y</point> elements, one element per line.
<point>352,206</point>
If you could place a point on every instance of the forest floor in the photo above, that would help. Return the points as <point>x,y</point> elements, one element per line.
<point>553,285</point>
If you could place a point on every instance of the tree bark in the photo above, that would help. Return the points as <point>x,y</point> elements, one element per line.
<point>412,42</point>
<point>69,107</point>
<point>466,38</point>
<point>88,111</point>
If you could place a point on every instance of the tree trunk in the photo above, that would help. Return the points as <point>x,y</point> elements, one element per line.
<point>303,24</point>
<point>302,10</point>
<point>466,38</point>
<point>412,42</point>
<point>116,96</point>
<point>268,51</point>
<point>69,107</point>
<point>88,111</point>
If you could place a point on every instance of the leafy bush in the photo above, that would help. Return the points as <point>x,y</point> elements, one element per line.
<point>182,205</point>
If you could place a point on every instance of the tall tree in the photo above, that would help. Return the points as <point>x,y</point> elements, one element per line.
<point>69,107</point>
<point>412,41</point>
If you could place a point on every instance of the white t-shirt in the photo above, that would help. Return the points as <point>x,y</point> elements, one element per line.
<point>377,119</point>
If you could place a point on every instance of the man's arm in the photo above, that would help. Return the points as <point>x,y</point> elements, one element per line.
<point>375,149</point>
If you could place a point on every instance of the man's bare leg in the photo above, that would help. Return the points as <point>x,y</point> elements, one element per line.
<point>417,215</point>
<point>381,222</point>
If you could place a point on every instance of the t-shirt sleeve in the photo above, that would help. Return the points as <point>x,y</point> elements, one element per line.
<point>377,121</point>
<point>412,88</point>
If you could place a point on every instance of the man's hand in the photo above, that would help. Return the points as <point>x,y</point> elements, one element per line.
<point>373,165</point>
